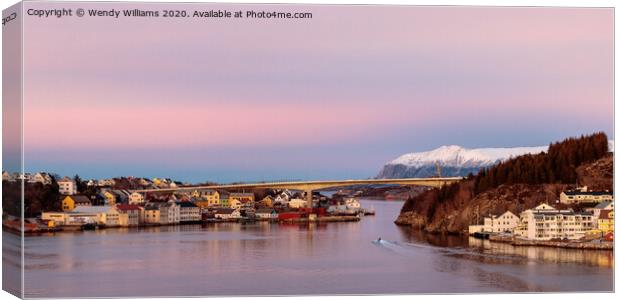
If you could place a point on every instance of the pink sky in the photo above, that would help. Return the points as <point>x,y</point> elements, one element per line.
<point>385,79</point>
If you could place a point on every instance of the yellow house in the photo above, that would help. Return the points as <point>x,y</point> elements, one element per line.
<point>606,221</point>
<point>212,197</point>
<point>243,197</point>
<point>267,201</point>
<point>202,203</point>
<point>234,203</point>
<point>156,181</point>
<point>70,202</point>
<point>110,198</point>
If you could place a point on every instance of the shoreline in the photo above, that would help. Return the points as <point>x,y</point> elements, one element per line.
<point>554,244</point>
<point>518,242</point>
<point>75,228</point>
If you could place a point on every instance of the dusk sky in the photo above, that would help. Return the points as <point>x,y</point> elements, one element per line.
<point>332,97</point>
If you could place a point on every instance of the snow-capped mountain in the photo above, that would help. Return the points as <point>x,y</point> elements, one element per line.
<point>453,160</point>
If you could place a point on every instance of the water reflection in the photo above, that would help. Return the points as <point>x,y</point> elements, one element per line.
<point>489,252</point>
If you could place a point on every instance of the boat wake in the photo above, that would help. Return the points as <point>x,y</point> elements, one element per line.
<point>410,249</point>
<point>396,247</point>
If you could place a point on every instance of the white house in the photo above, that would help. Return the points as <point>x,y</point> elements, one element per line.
<point>106,182</point>
<point>66,186</point>
<point>297,203</point>
<point>6,176</point>
<point>136,198</point>
<point>226,213</point>
<point>583,195</point>
<point>162,213</point>
<point>42,178</point>
<point>170,213</point>
<point>506,222</point>
<point>544,222</point>
<point>188,212</point>
<point>102,215</point>
<point>266,214</point>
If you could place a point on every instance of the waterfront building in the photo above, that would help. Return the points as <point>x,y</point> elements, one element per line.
<point>56,217</point>
<point>352,204</point>
<point>596,210</point>
<point>544,222</point>
<point>151,213</point>
<point>226,213</point>
<point>583,195</point>
<point>297,203</point>
<point>606,221</point>
<point>69,203</point>
<point>188,212</point>
<point>162,213</point>
<point>170,213</point>
<point>131,215</point>
<point>66,186</point>
<point>136,198</point>
<point>91,214</point>
<point>266,214</point>
<point>112,217</point>
<point>506,222</point>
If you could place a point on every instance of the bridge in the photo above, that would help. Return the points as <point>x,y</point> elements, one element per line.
<point>309,186</point>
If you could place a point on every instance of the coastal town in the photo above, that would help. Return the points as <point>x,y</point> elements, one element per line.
<point>585,227</point>
<point>91,204</point>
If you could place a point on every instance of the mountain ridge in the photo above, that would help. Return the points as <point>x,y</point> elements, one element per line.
<point>454,160</point>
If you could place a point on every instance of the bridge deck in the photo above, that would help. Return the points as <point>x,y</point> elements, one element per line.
<point>314,185</point>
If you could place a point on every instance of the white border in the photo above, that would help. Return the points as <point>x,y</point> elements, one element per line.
<point>558,3</point>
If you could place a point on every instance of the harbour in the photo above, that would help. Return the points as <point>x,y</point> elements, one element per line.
<point>211,259</point>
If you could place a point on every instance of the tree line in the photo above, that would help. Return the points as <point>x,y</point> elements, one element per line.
<point>557,165</point>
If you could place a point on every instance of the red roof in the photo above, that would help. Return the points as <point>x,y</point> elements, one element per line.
<point>605,214</point>
<point>126,207</point>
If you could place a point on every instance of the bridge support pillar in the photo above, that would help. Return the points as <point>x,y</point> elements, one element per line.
<point>309,198</point>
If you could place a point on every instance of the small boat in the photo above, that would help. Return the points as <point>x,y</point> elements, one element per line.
<point>368,212</point>
<point>89,226</point>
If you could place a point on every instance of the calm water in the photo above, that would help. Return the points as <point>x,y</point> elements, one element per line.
<point>274,259</point>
